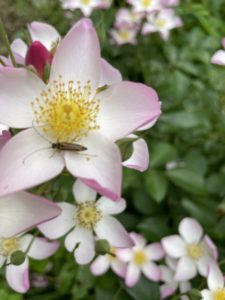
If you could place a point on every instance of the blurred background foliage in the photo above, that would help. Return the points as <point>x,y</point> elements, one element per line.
<point>187,145</point>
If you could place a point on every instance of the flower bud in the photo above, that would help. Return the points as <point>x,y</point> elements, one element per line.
<point>102,247</point>
<point>17,258</point>
<point>38,56</point>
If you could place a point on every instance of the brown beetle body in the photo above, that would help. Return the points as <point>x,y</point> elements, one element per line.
<point>68,147</point>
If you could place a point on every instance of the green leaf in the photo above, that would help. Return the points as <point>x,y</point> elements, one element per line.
<point>187,180</point>
<point>161,153</point>
<point>154,228</point>
<point>216,184</point>
<point>144,290</point>
<point>186,120</point>
<point>156,185</point>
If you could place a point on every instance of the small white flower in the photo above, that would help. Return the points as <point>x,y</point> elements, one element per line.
<point>103,262</point>
<point>86,6</point>
<point>193,250</point>
<point>145,5</point>
<point>128,18</point>
<point>140,258</point>
<point>216,284</point>
<point>169,285</point>
<point>124,35</point>
<point>88,218</point>
<point>162,22</point>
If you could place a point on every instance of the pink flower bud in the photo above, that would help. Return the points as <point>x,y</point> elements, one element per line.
<point>38,56</point>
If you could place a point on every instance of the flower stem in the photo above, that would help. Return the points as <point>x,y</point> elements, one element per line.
<point>5,40</point>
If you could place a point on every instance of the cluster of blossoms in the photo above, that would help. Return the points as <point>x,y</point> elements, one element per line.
<point>147,16</point>
<point>182,257</point>
<point>70,108</point>
<point>86,6</point>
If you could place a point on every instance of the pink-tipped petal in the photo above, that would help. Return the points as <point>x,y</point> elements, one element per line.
<point>109,75</point>
<point>155,251</point>
<point>166,291</point>
<point>21,211</point>
<point>151,271</point>
<point>4,138</point>
<point>19,47</point>
<point>110,229</point>
<point>59,226</point>
<point>139,160</point>
<point>119,267</point>
<point>186,269</point>
<point>40,247</point>
<point>82,241</point>
<point>132,275</point>
<point>100,265</point>
<point>190,230</point>
<point>44,33</point>
<point>215,278</point>
<point>109,207</point>
<point>138,239</point>
<point>18,277</point>
<point>219,58</point>
<point>213,249</point>
<point>174,246</point>
<point>82,192</point>
<point>102,171</point>
<point>126,106</point>
<point>27,160</point>
<point>18,88</point>
<point>78,56</point>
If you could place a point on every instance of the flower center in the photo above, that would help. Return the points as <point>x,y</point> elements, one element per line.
<point>146,3</point>
<point>85,2</point>
<point>112,254</point>
<point>219,294</point>
<point>195,251</point>
<point>160,23</point>
<point>87,215</point>
<point>139,258</point>
<point>124,34</point>
<point>8,246</point>
<point>66,112</point>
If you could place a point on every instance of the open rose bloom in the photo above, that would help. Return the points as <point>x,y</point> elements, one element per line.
<point>85,106</point>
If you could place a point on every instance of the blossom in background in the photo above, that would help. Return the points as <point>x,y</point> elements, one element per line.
<point>88,218</point>
<point>192,248</point>
<point>162,22</point>
<point>86,6</point>
<point>103,262</point>
<point>51,114</point>
<point>170,2</point>
<point>127,18</point>
<point>17,276</point>
<point>21,210</point>
<point>141,258</point>
<point>103,3</point>
<point>145,5</point>
<point>169,285</point>
<point>219,57</point>
<point>124,35</point>
<point>216,284</point>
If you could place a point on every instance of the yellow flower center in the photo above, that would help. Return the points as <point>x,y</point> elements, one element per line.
<point>139,258</point>
<point>195,251</point>
<point>124,34</point>
<point>8,246</point>
<point>85,2</point>
<point>146,3</point>
<point>87,215</point>
<point>66,112</point>
<point>160,23</point>
<point>112,254</point>
<point>219,294</point>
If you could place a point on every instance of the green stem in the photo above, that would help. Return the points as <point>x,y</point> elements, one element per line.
<point>2,62</point>
<point>5,40</point>
<point>117,293</point>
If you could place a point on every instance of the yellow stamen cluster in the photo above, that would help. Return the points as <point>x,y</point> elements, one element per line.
<point>66,112</point>
<point>146,3</point>
<point>195,251</point>
<point>8,246</point>
<point>87,215</point>
<point>160,23</point>
<point>139,257</point>
<point>219,294</point>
